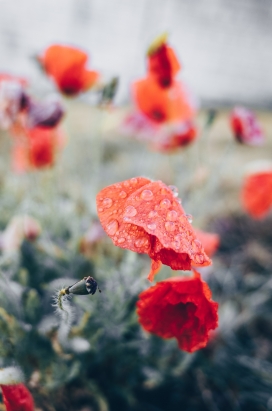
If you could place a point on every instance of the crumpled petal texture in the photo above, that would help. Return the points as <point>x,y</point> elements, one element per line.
<point>180,308</point>
<point>257,194</point>
<point>17,398</point>
<point>145,217</point>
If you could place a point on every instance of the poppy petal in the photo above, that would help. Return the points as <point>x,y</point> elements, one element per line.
<point>17,398</point>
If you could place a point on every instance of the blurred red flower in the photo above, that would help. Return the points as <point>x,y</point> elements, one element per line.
<point>66,65</point>
<point>163,64</point>
<point>209,241</point>
<point>17,398</point>
<point>146,217</point>
<point>256,194</point>
<point>162,104</point>
<point>36,148</point>
<point>246,127</point>
<point>181,308</point>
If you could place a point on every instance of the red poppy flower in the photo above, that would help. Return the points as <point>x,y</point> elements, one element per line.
<point>17,398</point>
<point>181,308</point>
<point>257,192</point>
<point>174,136</point>
<point>36,148</point>
<point>209,241</point>
<point>162,104</point>
<point>146,217</point>
<point>163,64</point>
<point>67,67</point>
<point>246,127</point>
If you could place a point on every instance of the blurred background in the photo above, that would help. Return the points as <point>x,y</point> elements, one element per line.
<point>224,47</point>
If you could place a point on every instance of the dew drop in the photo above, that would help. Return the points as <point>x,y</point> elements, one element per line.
<point>165,203</point>
<point>151,226</point>
<point>199,258</point>
<point>196,245</point>
<point>121,240</point>
<point>107,202</point>
<point>134,180</point>
<point>170,226</point>
<point>122,194</point>
<point>172,215</point>
<point>164,191</point>
<point>152,214</point>
<point>178,237</point>
<point>112,227</point>
<point>126,183</point>
<point>100,209</point>
<point>176,244</point>
<point>146,195</point>
<point>141,242</point>
<point>130,211</point>
<point>179,200</point>
<point>189,218</point>
<point>174,190</point>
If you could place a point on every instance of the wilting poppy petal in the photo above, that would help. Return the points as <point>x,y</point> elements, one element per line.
<point>209,241</point>
<point>66,65</point>
<point>246,127</point>
<point>162,104</point>
<point>45,114</point>
<point>17,398</point>
<point>145,217</point>
<point>181,308</point>
<point>256,192</point>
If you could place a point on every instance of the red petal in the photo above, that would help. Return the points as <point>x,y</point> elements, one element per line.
<point>257,193</point>
<point>17,398</point>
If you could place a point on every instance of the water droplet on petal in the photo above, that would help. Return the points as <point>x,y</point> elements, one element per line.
<point>122,194</point>
<point>112,227</point>
<point>165,203</point>
<point>100,209</point>
<point>130,211</point>
<point>199,258</point>
<point>126,183</point>
<point>189,218</point>
<point>152,226</point>
<point>141,242</point>
<point>176,244</point>
<point>174,190</point>
<point>179,200</point>
<point>179,237</point>
<point>152,214</point>
<point>107,202</point>
<point>196,245</point>
<point>164,191</point>
<point>172,215</point>
<point>134,180</point>
<point>170,226</point>
<point>146,195</point>
<point>121,240</point>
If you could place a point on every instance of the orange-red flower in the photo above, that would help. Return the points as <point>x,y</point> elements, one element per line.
<point>181,308</point>
<point>67,66</point>
<point>17,398</point>
<point>256,192</point>
<point>209,241</point>
<point>146,217</point>
<point>163,64</point>
<point>36,148</point>
<point>246,127</point>
<point>162,104</point>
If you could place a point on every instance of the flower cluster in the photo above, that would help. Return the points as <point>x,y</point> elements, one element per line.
<point>164,105</point>
<point>146,216</point>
